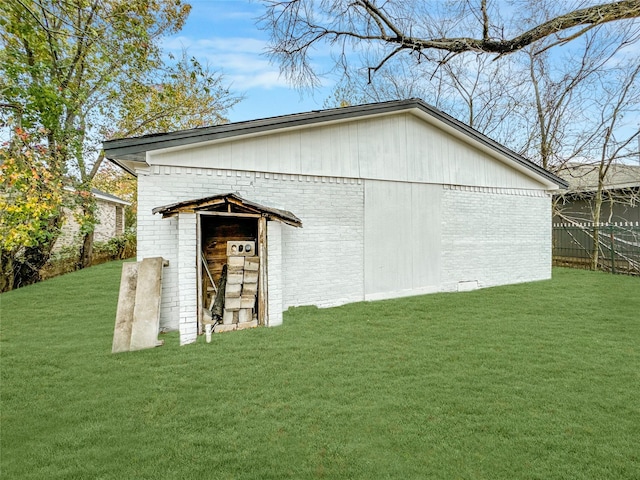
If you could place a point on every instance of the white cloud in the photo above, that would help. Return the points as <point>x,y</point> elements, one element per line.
<point>222,34</point>
<point>241,59</point>
<point>215,44</point>
<point>264,80</point>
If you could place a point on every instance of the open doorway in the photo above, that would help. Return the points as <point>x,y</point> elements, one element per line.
<point>220,219</point>
<point>215,234</point>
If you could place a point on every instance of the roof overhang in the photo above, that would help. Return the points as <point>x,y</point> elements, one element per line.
<point>609,191</point>
<point>228,203</point>
<point>99,194</point>
<point>133,150</point>
<point>109,198</point>
<point>485,144</point>
<point>131,153</point>
<point>129,166</point>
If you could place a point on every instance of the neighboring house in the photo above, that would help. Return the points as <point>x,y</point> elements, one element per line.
<point>618,230</point>
<point>394,199</point>
<point>110,215</point>
<point>621,194</point>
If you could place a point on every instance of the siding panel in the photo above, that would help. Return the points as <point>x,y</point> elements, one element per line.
<point>402,238</point>
<point>426,227</point>
<point>398,147</point>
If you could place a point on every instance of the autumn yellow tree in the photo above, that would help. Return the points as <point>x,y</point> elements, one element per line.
<point>31,200</point>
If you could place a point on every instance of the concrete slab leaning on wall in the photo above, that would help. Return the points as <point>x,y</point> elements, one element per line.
<point>138,314</point>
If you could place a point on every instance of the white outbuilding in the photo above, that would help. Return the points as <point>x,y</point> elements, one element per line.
<point>343,205</point>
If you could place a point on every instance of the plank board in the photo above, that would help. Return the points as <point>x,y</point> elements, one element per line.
<point>126,304</point>
<point>146,312</point>
<point>263,295</point>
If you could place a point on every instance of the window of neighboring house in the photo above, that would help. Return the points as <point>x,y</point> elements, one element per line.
<point>119,220</point>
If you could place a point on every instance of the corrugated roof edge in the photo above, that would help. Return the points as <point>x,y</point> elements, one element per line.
<point>134,148</point>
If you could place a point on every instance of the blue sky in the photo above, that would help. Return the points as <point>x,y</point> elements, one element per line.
<point>224,35</point>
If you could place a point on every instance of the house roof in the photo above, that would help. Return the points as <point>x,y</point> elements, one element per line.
<point>228,203</point>
<point>99,194</point>
<point>108,197</point>
<point>129,152</point>
<point>584,177</point>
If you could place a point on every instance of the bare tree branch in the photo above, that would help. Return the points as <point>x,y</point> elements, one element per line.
<point>298,26</point>
<point>485,21</point>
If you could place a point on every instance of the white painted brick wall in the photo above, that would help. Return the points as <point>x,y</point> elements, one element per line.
<point>323,262</point>
<point>494,236</point>
<point>274,273</point>
<point>331,210</point>
<point>489,236</point>
<point>188,274</point>
<point>158,237</point>
<point>69,233</point>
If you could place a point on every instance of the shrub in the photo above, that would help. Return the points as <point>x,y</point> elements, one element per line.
<point>66,259</point>
<point>117,248</point>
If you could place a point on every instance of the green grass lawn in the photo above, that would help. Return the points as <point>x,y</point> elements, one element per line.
<point>539,380</point>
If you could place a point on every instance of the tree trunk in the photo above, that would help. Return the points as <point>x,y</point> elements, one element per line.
<point>596,227</point>
<point>6,271</point>
<point>87,226</point>
<point>27,267</point>
<point>86,251</point>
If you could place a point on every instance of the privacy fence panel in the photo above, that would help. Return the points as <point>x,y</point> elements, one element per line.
<point>618,246</point>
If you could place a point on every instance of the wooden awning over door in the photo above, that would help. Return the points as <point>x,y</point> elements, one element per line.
<point>228,203</point>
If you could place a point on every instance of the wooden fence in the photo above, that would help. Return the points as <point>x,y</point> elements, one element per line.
<point>618,246</point>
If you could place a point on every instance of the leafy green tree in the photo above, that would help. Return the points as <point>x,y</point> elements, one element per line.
<point>75,72</point>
